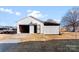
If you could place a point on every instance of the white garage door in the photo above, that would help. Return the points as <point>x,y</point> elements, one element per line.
<point>51,30</point>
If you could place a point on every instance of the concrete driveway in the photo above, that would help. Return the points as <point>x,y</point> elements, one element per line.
<point>6,45</point>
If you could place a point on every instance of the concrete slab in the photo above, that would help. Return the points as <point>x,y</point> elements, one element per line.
<point>10,41</point>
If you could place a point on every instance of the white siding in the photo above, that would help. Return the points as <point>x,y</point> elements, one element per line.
<point>51,30</point>
<point>31,29</point>
<point>18,30</point>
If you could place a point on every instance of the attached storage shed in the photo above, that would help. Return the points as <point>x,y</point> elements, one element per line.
<point>33,25</point>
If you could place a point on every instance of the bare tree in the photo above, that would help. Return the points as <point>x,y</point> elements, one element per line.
<point>71,19</point>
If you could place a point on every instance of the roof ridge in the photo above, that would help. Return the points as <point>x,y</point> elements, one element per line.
<point>36,19</point>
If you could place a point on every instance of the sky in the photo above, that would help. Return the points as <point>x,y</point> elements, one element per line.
<point>9,15</point>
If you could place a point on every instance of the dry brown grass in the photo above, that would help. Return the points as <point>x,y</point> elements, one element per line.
<point>40,37</point>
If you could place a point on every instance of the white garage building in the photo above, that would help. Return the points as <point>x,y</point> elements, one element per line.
<point>33,25</point>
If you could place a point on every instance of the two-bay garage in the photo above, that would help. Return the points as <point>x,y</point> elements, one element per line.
<point>28,28</point>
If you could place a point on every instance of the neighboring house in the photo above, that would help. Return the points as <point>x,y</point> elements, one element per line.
<point>7,30</point>
<point>33,25</point>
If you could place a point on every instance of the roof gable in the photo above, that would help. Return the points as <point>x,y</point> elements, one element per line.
<point>30,19</point>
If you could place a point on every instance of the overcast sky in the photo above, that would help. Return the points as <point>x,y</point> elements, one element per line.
<point>9,15</point>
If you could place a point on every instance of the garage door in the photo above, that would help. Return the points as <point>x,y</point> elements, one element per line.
<point>24,28</point>
<point>51,30</point>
